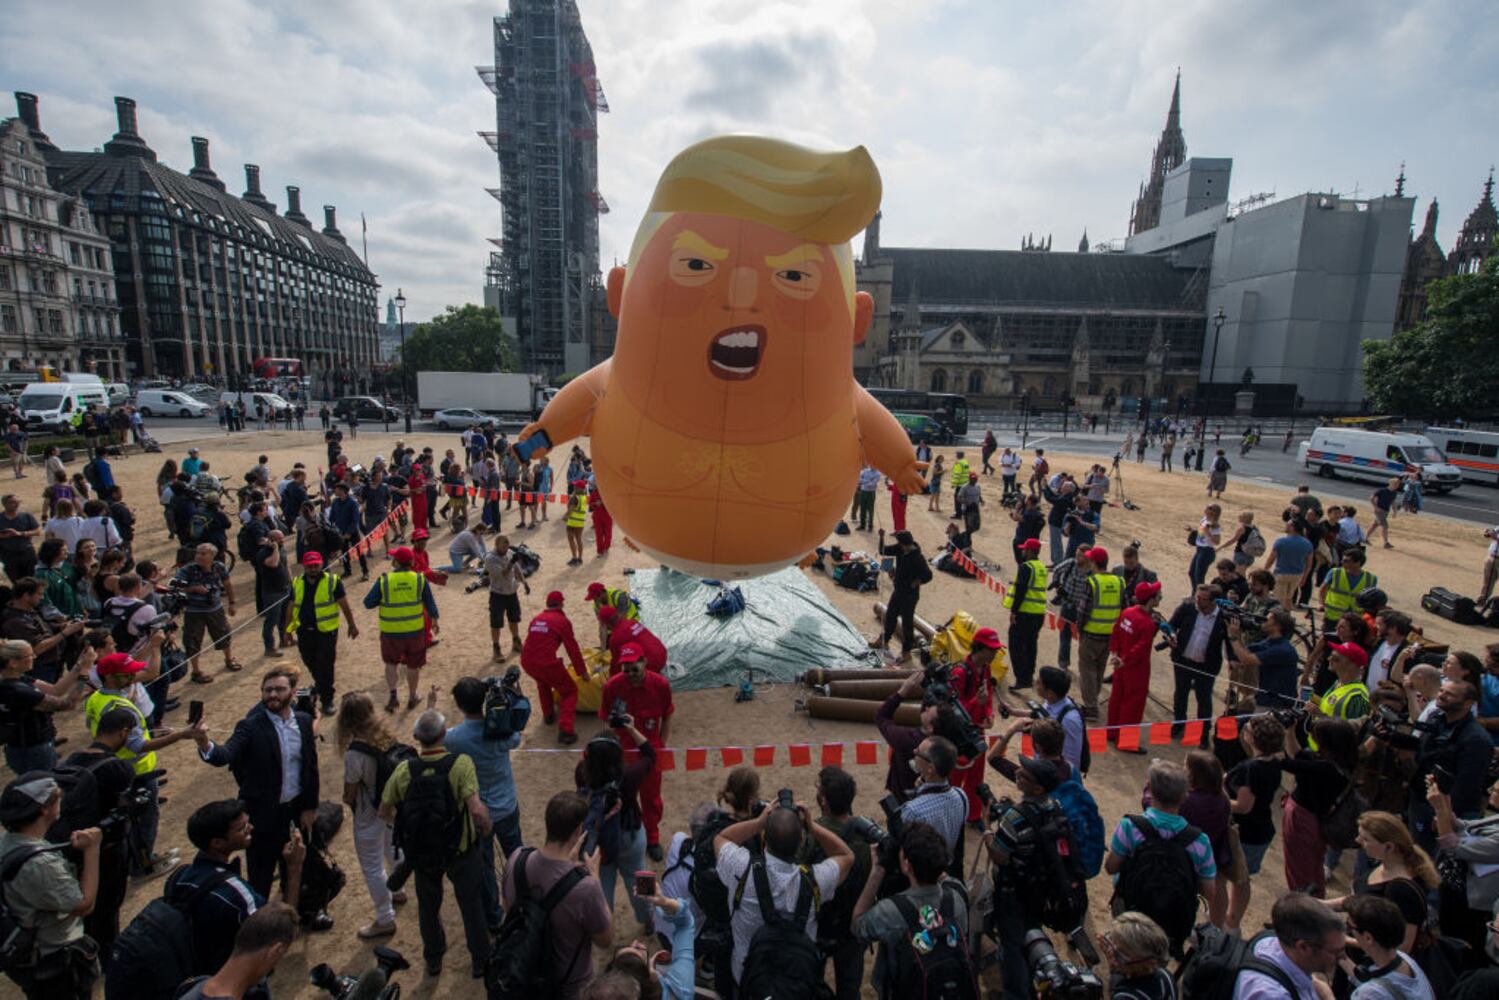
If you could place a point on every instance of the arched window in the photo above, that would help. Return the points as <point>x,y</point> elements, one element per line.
<point>975,383</point>
<point>939,381</point>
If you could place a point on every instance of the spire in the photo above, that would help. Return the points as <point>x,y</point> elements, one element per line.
<point>1429,231</point>
<point>1082,244</point>
<point>1174,115</point>
<point>1400,181</point>
<point>1475,241</point>
<point>1170,151</point>
<point>910,318</point>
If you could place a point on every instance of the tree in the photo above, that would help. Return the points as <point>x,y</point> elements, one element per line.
<point>1446,366</point>
<point>466,338</point>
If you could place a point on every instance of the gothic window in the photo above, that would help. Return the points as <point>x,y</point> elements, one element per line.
<point>939,381</point>
<point>975,380</point>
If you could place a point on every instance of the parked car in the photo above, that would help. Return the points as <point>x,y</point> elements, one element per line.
<point>202,392</point>
<point>169,403</point>
<point>366,408</point>
<point>460,416</point>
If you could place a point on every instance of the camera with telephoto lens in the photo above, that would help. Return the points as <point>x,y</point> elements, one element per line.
<point>164,622</point>
<point>506,707</point>
<point>1293,716</point>
<point>135,801</point>
<point>786,799</point>
<point>374,984</point>
<point>1245,619</point>
<point>600,804</point>
<point>1053,977</point>
<point>482,580</point>
<point>995,806</point>
<point>936,689</point>
<point>1385,722</point>
<point>619,713</point>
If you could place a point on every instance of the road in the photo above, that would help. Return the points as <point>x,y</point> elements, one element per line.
<point>1472,502</point>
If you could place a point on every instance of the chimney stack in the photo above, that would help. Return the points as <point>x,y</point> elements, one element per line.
<point>26,110</point>
<point>202,171</point>
<point>330,223</point>
<point>253,193</point>
<point>294,206</point>
<point>127,141</point>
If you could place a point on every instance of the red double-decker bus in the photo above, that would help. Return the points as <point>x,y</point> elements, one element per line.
<point>271,368</point>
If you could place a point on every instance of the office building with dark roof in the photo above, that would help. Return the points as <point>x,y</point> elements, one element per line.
<point>207,281</point>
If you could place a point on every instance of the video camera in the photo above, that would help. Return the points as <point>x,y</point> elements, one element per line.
<point>134,801</point>
<point>1233,613</point>
<point>883,842</point>
<point>374,984</point>
<point>1053,977</point>
<point>1385,722</point>
<point>936,689</point>
<point>164,622</point>
<point>506,707</point>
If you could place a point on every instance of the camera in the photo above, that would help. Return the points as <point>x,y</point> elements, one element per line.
<point>995,805</point>
<point>164,622</point>
<point>1291,717</point>
<point>374,984</point>
<point>506,707</point>
<point>785,799</point>
<point>936,689</point>
<point>618,714</point>
<point>1386,720</point>
<point>134,801</point>
<point>1233,613</point>
<point>482,580</point>
<point>1051,976</point>
<point>600,805</point>
<point>303,701</point>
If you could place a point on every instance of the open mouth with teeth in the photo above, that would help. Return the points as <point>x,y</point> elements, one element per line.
<point>735,353</point>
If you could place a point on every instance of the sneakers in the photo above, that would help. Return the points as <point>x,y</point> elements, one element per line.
<point>413,701</point>
<point>393,704</point>
<point>160,865</point>
<point>373,931</point>
<point>655,853</point>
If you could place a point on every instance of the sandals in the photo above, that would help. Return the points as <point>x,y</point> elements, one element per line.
<point>233,666</point>
<point>199,677</point>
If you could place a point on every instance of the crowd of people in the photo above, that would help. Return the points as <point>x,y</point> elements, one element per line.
<point>1387,736</point>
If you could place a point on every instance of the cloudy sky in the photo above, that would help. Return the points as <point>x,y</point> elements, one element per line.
<point>989,120</point>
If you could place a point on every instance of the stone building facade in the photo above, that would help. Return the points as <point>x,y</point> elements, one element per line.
<point>1425,261</point>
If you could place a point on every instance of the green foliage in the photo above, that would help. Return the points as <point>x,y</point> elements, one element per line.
<point>1447,365</point>
<point>466,338</point>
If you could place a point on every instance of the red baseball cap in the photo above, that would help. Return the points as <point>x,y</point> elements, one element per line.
<point>119,663</point>
<point>1352,651</point>
<point>1030,545</point>
<point>418,534</point>
<point>608,613</point>
<point>555,599</point>
<point>1098,555</point>
<point>402,554</point>
<point>595,589</point>
<point>988,638</point>
<point>1145,591</point>
<point>312,559</point>
<point>630,652</point>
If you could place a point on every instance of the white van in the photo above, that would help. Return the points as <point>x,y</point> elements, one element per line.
<point>269,400</point>
<point>119,393</point>
<point>51,405</point>
<point>1378,456</point>
<point>169,403</point>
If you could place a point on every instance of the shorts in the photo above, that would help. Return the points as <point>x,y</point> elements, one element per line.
<point>1254,856</point>
<point>409,648</point>
<point>1235,868</point>
<point>1381,516</point>
<point>503,606</point>
<point>193,624</point>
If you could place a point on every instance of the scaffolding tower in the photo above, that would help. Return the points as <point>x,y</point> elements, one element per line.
<point>547,102</point>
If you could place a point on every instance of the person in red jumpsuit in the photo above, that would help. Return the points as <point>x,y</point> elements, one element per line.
<point>416,490</point>
<point>974,685</point>
<point>623,632</point>
<point>603,523</point>
<point>1129,659</point>
<point>422,563</point>
<point>897,506</point>
<point>647,699</point>
<point>538,658</point>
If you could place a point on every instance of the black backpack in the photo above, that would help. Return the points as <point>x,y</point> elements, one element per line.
<point>247,542</point>
<point>80,799</point>
<point>154,953</point>
<point>386,762</point>
<point>118,615</point>
<point>704,885</point>
<point>429,822</point>
<point>1211,969</point>
<point>835,915</point>
<point>943,970</point>
<point>520,964</point>
<point>782,961</point>
<point>1053,874</point>
<point>17,941</point>
<point>1159,879</point>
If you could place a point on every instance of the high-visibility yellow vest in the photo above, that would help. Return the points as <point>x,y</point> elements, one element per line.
<point>100,702</point>
<point>401,610</point>
<point>960,470</point>
<point>577,510</point>
<point>1108,602</point>
<point>620,601</point>
<point>324,607</point>
<point>1334,704</point>
<point>1033,601</point>
<point>1342,590</point>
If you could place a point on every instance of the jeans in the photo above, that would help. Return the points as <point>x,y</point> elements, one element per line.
<point>42,757</point>
<point>629,860</point>
<point>1055,531</point>
<point>1191,679</point>
<point>271,607</point>
<point>1202,561</point>
<point>507,832</point>
<point>464,873</point>
<point>1066,618</point>
<point>373,849</point>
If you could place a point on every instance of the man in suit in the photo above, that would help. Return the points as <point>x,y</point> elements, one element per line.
<point>273,756</point>
<point>1197,642</point>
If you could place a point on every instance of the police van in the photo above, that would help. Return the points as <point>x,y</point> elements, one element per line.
<point>1378,457</point>
<point>1475,453</point>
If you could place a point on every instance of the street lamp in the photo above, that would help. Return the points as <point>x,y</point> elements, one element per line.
<point>401,320</point>
<point>1202,424</point>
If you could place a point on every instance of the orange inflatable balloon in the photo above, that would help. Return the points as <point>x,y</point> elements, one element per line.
<point>727,429</point>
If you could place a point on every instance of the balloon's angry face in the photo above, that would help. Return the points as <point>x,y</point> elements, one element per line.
<point>721,311</point>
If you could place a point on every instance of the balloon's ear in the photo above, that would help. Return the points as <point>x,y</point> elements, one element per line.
<point>863,313</point>
<point>616,288</point>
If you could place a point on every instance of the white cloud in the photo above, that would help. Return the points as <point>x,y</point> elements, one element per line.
<point>988,121</point>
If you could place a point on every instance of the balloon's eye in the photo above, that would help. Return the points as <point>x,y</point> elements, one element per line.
<point>697,264</point>
<point>791,274</point>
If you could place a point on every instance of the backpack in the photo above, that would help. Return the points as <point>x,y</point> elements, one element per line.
<point>782,960</point>
<point>247,542</point>
<point>1254,543</point>
<point>1085,758</point>
<point>154,953</point>
<point>1159,879</point>
<point>1340,823</point>
<point>118,616</point>
<point>80,799</point>
<point>1211,970</point>
<point>1053,872</point>
<point>835,915</point>
<point>1087,825</point>
<point>704,885</point>
<point>1043,468</point>
<point>198,526</point>
<point>941,969</point>
<point>92,477</point>
<point>520,964</point>
<point>429,823</point>
<point>17,941</point>
<point>386,762</point>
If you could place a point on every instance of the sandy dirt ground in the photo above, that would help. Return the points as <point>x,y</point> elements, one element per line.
<point>1428,551</point>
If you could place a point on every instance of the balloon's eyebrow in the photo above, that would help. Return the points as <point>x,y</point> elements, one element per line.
<point>798,255</point>
<point>688,240</point>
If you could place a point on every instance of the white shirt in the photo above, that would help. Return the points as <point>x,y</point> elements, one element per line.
<point>785,883</point>
<point>69,529</point>
<point>1379,664</point>
<point>290,737</point>
<point>676,874</point>
<point>1009,463</point>
<point>102,530</point>
<point>1494,545</point>
<point>1202,630</point>
<point>1412,987</point>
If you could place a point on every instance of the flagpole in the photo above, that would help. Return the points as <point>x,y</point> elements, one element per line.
<point>364,231</point>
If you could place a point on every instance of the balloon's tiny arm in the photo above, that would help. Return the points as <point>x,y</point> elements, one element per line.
<point>570,413</point>
<point>886,446</point>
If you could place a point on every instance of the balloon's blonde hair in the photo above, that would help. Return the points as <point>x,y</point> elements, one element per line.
<point>821,197</point>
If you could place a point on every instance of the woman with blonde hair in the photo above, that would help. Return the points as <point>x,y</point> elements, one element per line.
<point>363,739</point>
<point>1206,541</point>
<point>1137,952</point>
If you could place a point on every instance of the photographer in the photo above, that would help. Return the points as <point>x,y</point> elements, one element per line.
<point>112,778</point>
<point>1267,669</point>
<point>836,790</point>
<point>934,801</point>
<point>505,580</point>
<point>496,783</point>
<point>259,945</point>
<point>345,517</point>
<point>208,591</point>
<point>615,814</point>
<point>646,700</point>
<point>1073,590</point>
<point>973,683</point>
<point>56,644</point>
<point>936,718</point>
<point>26,707</point>
<point>44,892</point>
<point>272,588</point>
<point>1132,571</point>
<point>890,922</point>
<point>1455,750</point>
